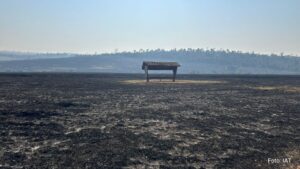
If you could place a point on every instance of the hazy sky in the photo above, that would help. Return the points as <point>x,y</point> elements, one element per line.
<point>88,26</point>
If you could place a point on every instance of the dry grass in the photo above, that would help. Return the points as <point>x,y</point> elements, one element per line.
<point>293,89</point>
<point>171,82</point>
<point>295,159</point>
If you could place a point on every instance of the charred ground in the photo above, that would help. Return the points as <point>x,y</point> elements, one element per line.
<point>97,121</point>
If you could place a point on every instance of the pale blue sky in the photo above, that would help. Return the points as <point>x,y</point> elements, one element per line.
<point>88,26</point>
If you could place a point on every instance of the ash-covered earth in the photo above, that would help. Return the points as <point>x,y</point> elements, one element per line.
<point>119,121</point>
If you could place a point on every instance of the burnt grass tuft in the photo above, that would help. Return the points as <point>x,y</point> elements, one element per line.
<point>96,121</point>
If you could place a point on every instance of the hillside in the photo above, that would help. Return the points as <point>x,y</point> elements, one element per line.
<point>196,61</point>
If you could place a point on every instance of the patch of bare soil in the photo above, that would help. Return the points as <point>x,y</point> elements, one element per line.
<point>104,121</point>
<point>158,81</point>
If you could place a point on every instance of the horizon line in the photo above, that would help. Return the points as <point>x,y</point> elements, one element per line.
<point>116,51</point>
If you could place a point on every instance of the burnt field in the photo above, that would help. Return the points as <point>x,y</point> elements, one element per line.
<point>117,121</point>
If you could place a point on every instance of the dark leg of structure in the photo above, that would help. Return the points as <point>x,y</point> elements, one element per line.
<point>146,72</point>
<point>174,74</point>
